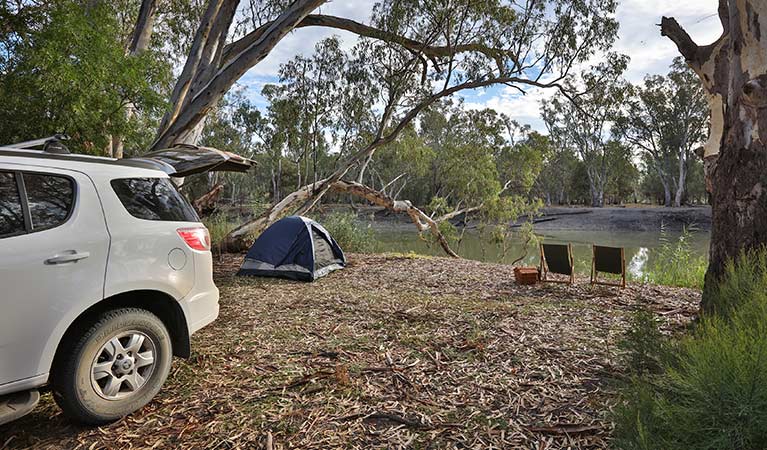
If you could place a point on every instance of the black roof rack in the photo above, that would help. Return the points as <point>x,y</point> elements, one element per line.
<point>51,144</point>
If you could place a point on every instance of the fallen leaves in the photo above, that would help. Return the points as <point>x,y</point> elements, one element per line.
<point>390,352</point>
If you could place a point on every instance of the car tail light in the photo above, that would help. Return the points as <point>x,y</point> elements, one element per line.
<point>197,238</point>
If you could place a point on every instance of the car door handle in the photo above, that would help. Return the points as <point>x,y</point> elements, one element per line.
<point>69,257</point>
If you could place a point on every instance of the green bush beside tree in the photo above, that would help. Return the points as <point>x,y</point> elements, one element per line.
<point>710,391</point>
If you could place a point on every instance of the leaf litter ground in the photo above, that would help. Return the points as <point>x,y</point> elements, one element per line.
<point>394,351</point>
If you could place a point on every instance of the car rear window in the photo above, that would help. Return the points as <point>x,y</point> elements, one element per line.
<point>11,213</point>
<point>153,199</point>
<point>50,199</point>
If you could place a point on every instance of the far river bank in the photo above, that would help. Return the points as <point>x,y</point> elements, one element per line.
<point>629,218</point>
<point>576,218</point>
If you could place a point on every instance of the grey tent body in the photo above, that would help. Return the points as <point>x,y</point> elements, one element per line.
<point>296,248</point>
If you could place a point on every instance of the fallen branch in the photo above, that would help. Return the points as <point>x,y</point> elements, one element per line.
<point>238,239</point>
<point>566,428</point>
<point>206,204</point>
<point>421,220</point>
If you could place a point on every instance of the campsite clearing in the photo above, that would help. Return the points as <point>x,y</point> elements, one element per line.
<point>392,351</point>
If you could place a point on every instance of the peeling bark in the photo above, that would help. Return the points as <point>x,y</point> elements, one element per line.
<point>733,71</point>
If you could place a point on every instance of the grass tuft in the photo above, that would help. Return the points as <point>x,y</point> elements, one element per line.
<point>676,264</point>
<point>349,233</point>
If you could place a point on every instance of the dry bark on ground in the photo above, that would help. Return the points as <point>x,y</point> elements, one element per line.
<point>393,352</point>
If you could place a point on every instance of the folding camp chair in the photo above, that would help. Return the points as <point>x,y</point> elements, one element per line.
<point>608,260</point>
<point>557,258</point>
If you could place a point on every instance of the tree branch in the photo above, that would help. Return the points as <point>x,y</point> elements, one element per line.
<point>421,220</point>
<point>230,70</point>
<point>340,23</point>
<point>670,28</point>
<point>144,26</point>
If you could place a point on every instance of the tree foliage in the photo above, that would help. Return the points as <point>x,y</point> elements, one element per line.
<point>665,118</point>
<point>584,123</point>
<point>65,69</point>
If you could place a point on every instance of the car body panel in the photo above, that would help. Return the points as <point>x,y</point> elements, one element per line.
<point>133,254</point>
<point>43,298</point>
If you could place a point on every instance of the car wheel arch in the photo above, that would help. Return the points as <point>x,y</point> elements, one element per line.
<point>165,307</point>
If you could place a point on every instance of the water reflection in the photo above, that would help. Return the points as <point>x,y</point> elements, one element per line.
<point>640,247</point>
<point>637,264</point>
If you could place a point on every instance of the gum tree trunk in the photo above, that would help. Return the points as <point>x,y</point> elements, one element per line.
<point>140,39</point>
<point>682,181</point>
<point>666,193</point>
<point>733,71</point>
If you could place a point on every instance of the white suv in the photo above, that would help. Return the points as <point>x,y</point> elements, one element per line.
<point>105,273</point>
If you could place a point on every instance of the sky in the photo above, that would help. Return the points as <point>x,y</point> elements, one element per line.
<point>639,38</point>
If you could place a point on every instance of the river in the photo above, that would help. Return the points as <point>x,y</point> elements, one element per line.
<point>640,246</point>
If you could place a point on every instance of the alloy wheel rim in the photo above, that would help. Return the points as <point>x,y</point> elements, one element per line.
<point>123,365</point>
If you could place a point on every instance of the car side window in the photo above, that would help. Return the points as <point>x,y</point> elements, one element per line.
<point>11,212</point>
<point>50,199</point>
<point>153,199</point>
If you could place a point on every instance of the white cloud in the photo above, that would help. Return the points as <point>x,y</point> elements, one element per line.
<point>639,35</point>
<point>524,108</point>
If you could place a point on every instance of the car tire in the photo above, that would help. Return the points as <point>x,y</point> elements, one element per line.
<point>105,373</point>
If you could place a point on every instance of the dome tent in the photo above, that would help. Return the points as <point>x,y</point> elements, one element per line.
<point>294,247</point>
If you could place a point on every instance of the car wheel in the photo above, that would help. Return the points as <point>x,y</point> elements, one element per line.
<point>112,369</point>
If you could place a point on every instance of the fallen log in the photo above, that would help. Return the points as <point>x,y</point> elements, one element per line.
<point>206,205</point>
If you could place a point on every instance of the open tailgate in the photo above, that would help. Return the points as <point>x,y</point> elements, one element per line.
<point>183,160</point>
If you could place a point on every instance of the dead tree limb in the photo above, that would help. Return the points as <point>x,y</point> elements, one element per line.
<point>206,204</point>
<point>420,219</point>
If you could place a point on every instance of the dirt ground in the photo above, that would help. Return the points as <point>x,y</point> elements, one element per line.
<point>392,352</point>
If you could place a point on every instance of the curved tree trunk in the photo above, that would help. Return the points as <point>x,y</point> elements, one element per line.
<point>734,72</point>
<point>242,237</point>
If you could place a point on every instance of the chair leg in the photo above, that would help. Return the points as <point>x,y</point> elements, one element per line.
<point>623,267</point>
<point>593,266</point>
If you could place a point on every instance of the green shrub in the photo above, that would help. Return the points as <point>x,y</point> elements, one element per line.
<point>643,345</point>
<point>218,225</point>
<point>743,281</point>
<point>675,264</point>
<point>350,235</point>
<point>713,394</point>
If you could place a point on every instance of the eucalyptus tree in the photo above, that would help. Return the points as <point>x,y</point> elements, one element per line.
<point>403,168</point>
<point>623,175</point>
<point>553,182</point>
<point>584,123</point>
<point>313,83</point>
<point>420,52</point>
<point>665,118</point>
<point>733,72</point>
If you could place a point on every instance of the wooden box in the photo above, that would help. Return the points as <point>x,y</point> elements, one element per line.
<point>526,275</point>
